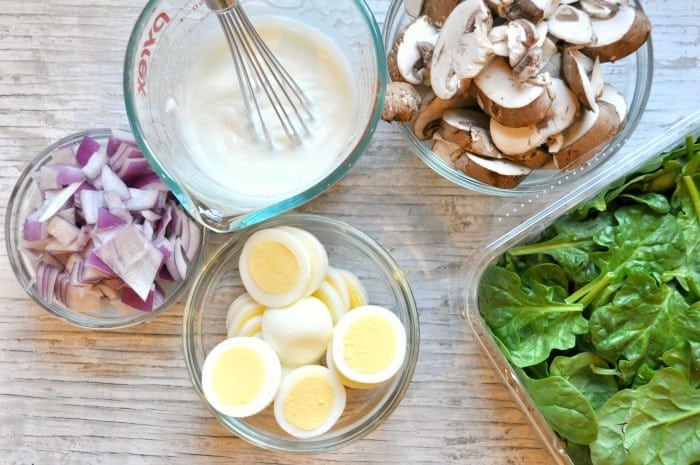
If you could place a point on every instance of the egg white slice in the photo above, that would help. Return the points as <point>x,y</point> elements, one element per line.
<point>335,279</point>
<point>241,376</point>
<point>275,267</point>
<point>369,345</point>
<point>356,290</point>
<point>309,402</point>
<point>241,310</point>
<point>327,294</point>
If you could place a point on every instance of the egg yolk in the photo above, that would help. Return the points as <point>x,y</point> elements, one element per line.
<point>273,267</point>
<point>370,344</point>
<point>238,376</point>
<point>309,402</point>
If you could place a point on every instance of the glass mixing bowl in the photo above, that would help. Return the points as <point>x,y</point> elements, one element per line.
<point>219,283</point>
<point>25,199</point>
<point>632,76</point>
<point>170,35</point>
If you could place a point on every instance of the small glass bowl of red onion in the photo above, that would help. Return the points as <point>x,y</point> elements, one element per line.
<point>95,237</point>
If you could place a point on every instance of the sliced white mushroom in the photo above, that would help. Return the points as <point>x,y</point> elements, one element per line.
<point>470,130</point>
<point>620,35</point>
<point>499,7</point>
<point>515,141</point>
<point>596,78</point>
<point>462,48</point>
<point>550,62</point>
<point>583,138</point>
<point>429,115</point>
<point>576,76</point>
<point>499,40</point>
<point>405,60</point>
<point>535,158</point>
<point>599,9</point>
<point>510,102</point>
<point>496,172</point>
<point>521,35</point>
<point>533,10</point>
<point>438,10</point>
<point>413,7</point>
<point>446,150</point>
<point>612,95</point>
<point>571,25</point>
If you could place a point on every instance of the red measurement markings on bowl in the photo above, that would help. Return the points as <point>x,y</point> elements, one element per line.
<point>158,23</point>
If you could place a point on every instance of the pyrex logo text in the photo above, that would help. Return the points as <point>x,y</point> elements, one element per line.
<point>158,23</point>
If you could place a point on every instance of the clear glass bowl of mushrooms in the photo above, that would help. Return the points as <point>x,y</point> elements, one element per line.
<point>507,98</point>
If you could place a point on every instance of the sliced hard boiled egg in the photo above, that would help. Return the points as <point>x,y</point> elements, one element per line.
<point>317,254</point>
<point>369,345</point>
<point>327,294</point>
<point>309,402</point>
<point>241,376</point>
<point>300,332</point>
<point>275,267</point>
<point>347,382</point>
<point>335,279</point>
<point>357,292</point>
<point>240,312</point>
<point>252,327</point>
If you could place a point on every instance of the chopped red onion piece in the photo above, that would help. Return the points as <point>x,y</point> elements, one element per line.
<point>141,199</point>
<point>69,174</point>
<point>96,263</point>
<point>64,232</point>
<point>106,219</point>
<point>33,230</point>
<point>51,207</point>
<point>148,303</point>
<point>82,298</point>
<point>93,167</point>
<point>151,181</point>
<point>133,258</point>
<point>133,168</point>
<point>113,200</point>
<point>47,178</point>
<point>91,202</point>
<point>112,182</point>
<point>88,146</point>
<point>46,275</point>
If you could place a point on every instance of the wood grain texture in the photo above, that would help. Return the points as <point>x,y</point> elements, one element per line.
<point>77,397</point>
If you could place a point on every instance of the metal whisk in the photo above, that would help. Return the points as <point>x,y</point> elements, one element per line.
<point>261,77</point>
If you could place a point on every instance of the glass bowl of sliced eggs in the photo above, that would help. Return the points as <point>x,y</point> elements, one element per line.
<point>301,334</point>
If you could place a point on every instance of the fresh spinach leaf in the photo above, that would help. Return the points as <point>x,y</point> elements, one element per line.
<point>564,407</point>
<point>597,386</point>
<point>686,358</point>
<point>643,321</point>
<point>656,424</point>
<point>529,322</point>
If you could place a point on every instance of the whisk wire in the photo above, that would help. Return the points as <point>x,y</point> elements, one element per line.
<point>255,61</point>
<point>244,81</point>
<point>258,69</point>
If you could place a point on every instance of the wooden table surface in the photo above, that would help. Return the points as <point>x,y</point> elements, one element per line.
<point>72,396</point>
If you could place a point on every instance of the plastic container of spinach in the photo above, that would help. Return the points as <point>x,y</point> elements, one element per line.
<point>590,309</point>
